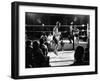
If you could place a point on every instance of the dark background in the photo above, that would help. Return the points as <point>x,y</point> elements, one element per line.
<point>37,23</point>
<point>51,19</point>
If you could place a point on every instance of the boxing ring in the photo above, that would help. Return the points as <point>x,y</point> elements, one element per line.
<point>64,57</point>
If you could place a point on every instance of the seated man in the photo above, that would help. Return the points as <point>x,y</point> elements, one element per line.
<point>78,56</point>
<point>44,37</point>
<point>28,56</point>
<point>39,60</point>
<point>43,47</point>
<point>49,39</point>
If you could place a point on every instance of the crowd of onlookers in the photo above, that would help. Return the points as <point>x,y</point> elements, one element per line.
<point>36,54</point>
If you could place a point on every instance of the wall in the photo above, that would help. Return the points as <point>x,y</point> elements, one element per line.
<point>5,40</point>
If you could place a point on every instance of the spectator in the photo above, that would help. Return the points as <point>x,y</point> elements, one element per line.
<point>39,59</point>
<point>44,37</point>
<point>79,53</point>
<point>87,53</point>
<point>43,47</point>
<point>28,54</point>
